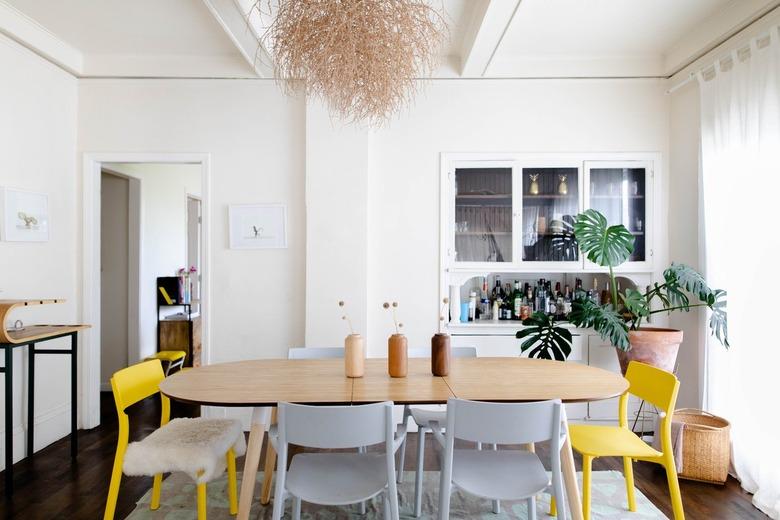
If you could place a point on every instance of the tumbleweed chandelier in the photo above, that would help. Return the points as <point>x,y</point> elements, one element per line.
<point>360,56</point>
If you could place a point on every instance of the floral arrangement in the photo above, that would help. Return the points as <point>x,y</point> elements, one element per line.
<point>396,323</point>
<point>345,317</point>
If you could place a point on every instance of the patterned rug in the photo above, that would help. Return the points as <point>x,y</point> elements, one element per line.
<point>178,502</point>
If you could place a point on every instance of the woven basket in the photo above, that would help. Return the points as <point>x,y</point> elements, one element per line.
<point>706,446</point>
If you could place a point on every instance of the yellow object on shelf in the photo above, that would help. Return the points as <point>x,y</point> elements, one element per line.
<point>165,295</point>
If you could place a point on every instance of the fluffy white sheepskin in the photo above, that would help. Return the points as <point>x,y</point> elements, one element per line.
<point>187,445</point>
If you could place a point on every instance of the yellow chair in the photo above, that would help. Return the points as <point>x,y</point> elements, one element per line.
<point>172,358</point>
<point>200,447</point>
<point>655,386</point>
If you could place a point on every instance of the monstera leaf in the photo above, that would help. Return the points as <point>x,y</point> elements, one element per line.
<point>604,319</point>
<point>607,246</point>
<point>545,339</point>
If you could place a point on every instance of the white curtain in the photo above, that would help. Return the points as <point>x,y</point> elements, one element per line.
<point>740,182</point>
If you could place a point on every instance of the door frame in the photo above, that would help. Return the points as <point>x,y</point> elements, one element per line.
<point>89,362</point>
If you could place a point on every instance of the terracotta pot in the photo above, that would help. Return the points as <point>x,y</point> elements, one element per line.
<point>656,347</point>
<point>354,356</point>
<point>441,353</point>
<point>397,356</point>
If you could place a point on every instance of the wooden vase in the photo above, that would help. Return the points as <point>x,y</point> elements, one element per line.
<point>397,356</point>
<point>354,356</point>
<point>441,353</point>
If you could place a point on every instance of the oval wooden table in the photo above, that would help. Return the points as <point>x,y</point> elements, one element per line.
<point>264,383</point>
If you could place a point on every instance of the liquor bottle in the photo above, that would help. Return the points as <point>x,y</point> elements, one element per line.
<point>484,303</point>
<point>529,297</point>
<point>579,292</point>
<point>606,297</point>
<point>498,292</point>
<point>594,293</point>
<point>517,301</point>
<point>540,300</point>
<point>472,306</point>
<point>567,299</point>
<point>558,290</point>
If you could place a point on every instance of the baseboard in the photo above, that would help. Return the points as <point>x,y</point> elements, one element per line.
<point>50,426</point>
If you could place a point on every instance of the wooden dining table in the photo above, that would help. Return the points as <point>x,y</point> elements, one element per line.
<point>261,384</point>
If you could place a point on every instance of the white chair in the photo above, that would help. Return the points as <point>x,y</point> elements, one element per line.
<point>504,474</point>
<point>336,478</point>
<point>315,353</point>
<point>423,417</point>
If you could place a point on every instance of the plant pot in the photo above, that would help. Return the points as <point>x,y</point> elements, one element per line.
<point>397,356</point>
<point>441,353</point>
<point>354,356</point>
<point>652,346</point>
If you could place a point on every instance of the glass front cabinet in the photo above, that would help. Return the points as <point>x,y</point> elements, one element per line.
<point>516,212</point>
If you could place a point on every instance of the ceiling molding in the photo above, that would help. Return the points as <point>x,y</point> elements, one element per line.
<point>161,65</point>
<point>38,39</point>
<point>584,66</point>
<point>490,20</point>
<point>713,31</point>
<point>241,32</point>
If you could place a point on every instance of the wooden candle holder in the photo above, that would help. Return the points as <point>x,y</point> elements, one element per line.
<point>397,356</point>
<point>354,356</point>
<point>441,354</point>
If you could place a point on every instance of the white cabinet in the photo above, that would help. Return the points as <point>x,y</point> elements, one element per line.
<point>515,212</point>
<point>602,354</point>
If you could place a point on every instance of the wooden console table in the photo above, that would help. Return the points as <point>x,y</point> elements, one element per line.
<point>29,336</point>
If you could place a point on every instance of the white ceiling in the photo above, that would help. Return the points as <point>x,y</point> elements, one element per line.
<point>490,38</point>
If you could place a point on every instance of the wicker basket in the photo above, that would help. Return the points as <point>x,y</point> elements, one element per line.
<point>706,446</point>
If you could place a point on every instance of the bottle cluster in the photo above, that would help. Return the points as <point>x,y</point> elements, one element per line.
<point>518,303</point>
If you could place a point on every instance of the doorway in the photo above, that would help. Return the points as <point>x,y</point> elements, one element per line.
<point>166,194</point>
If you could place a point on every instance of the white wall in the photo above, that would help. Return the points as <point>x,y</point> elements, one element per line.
<point>163,205</point>
<point>37,152</point>
<point>480,116</point>
<point>255,137</point>
<point>684,231</point>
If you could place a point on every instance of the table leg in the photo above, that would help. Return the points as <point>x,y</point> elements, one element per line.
<point>251,462</point>
<point>74,439</point>
<point>9,427</point>
<point>268,471</point>
<point>570,480</point>
<point>30,398</point>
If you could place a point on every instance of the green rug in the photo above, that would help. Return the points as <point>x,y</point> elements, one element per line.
<point>178,502</point>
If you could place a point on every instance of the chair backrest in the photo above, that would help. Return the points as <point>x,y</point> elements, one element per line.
<point>335,427</point>
<point>653,385</point>
<point>136,382</point>
<point>315,353</point>
<point>504,423</point>
<point>457,352</point>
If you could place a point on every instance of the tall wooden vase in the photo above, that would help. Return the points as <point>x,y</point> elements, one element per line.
<point>441,354</point>
<point>354,356</point>
<point>397,356</point>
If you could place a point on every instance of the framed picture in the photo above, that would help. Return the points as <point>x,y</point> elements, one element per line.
<point>258,226</point>
<point>25,215</point>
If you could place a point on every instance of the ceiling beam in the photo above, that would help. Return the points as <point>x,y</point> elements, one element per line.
<point>489,23</point>
<point>235,22</point>
<point>39,40</point>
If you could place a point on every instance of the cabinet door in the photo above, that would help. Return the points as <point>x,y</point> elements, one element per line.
<point>550,197</point>
<point>622,191</point>
<point>482,217</point>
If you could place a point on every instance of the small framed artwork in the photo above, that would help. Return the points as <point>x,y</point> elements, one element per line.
<point>258,226</point>
<point>25,215</point>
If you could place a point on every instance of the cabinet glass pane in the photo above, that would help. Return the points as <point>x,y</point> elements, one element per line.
<point>619,193</point>
<point>550,203</point>
<point>483,215</point>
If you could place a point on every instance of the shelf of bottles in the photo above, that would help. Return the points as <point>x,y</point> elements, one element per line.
<point>551,200</point>
<point>620,194</point>
<point>483,214</point>
<point>503,298</point>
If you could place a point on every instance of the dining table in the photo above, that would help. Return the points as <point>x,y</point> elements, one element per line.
<point>262,384</point>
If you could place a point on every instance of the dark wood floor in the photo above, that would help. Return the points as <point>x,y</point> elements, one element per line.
<point>50,486</point>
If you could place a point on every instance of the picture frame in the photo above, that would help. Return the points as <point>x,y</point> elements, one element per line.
<point>24,215</point>
<point>257,226</point>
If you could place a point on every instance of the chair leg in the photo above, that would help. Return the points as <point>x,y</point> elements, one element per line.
<point>531,501</point>
<point>154,505</point>
<point>402,454</point>
<point>113,488</point>
<point>553,507</point>
<point>674,488</point>
<point>362,505</point>
<point>497,507</point>
<point>386,504</point>
<point>296,508</point>
<point>232,486</point>
<point>202,501</point>
<point>587,462</point>
<point>418,477</point>
<point>628,473</point>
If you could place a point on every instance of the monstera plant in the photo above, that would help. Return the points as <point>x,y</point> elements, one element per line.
<point>620,320</point>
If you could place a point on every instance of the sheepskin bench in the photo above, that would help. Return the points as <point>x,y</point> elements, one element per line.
<point>193,446</point>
